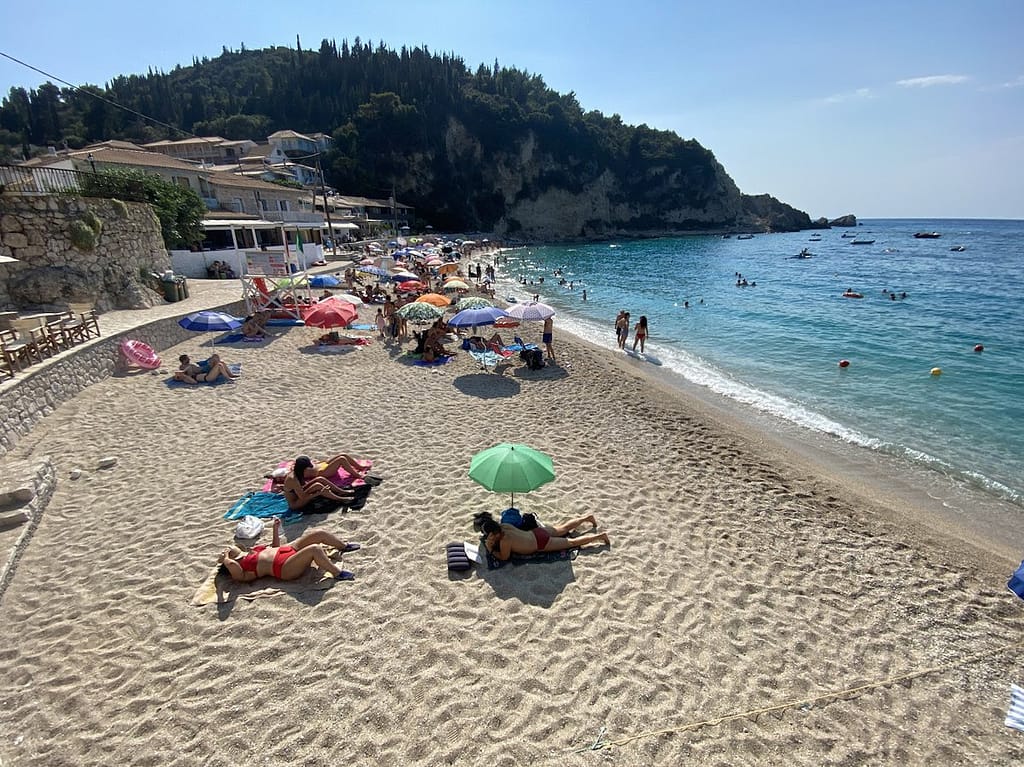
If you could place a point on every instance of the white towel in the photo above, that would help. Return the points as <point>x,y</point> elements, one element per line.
<point>1015,716</point>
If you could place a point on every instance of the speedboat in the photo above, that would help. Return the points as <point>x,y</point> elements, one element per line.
<point>927,235</point>
<point>958,248</point>
<point>862,242</point>
<point>744,237</point>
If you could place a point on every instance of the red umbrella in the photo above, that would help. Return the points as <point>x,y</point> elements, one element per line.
<point>410,286</point>
<point>330,314</point>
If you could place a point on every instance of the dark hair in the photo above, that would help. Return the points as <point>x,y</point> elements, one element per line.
<point>643,320</point>
<point>302,463</point>
<point>485,523</point>
<point>183,358</point>
<point>223,570</point>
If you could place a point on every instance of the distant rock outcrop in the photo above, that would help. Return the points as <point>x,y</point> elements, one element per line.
<point>848,220</point>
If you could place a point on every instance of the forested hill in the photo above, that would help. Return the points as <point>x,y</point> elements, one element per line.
<point>494,149</point>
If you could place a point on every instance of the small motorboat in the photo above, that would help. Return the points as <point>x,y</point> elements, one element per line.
<point>862,242</point>
<point>847,234</point>
<point>744,237</point>
<point>958,248</point>
<point>805,253</point>
<point>927,235</point>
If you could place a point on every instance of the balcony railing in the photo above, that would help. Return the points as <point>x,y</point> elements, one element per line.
<point>17,179</point>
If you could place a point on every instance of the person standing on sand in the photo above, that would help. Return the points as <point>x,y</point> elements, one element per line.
<point>546,338</point>
<point>640,333</point>
<point>623,327</point>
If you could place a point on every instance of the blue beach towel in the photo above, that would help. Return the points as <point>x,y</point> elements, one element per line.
<point>263,505</point>
<point>234,338</point>
<point>493,563</point>
<point>1016,582</point>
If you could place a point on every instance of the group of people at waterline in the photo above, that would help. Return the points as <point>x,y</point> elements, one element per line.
<point>622,331</point>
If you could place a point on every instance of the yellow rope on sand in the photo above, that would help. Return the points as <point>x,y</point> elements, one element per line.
<point>791,704</point>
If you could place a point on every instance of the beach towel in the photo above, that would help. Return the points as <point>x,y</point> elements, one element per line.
<point>1015,716</point>
<point>264,505</point>
<point>437,361</point>
<point>487,360</point>
<point>221,589</point>
<point>330,348</point>
<point>1016,582</point>
<point>234,338</point>
<point>342,478</point>
<point>362,326</point>
<point>493,563</point>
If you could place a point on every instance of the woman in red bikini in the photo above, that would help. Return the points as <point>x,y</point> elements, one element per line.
<point>286,562</point>
<point>505,540</point>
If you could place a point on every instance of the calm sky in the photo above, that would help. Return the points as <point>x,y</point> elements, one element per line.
<point>883,109</point>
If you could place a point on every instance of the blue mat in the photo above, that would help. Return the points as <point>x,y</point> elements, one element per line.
<point>435,363</point>
<point>285,322</point>
<point>234,338</point>
<point>263,505</point>
<point>493,563</point>
<point>362,326</point>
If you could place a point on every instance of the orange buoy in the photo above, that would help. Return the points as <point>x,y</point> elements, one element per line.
<point>936,371</point>
<point>844,363</point>
<point>979,348</point>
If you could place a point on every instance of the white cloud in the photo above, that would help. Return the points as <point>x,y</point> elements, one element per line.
<point>839,98</point>
<point>1019,82</point>
<point>927,82</point>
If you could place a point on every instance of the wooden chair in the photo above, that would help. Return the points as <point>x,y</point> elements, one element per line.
<point>19,349</point>
<point>86,315</point>
<point>51,338</point>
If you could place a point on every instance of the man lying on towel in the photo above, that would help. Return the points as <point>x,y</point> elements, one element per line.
<point>504,540</point>
<point>191,373</point>
<point>336,339</point>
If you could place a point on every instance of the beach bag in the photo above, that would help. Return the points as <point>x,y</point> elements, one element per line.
<point>248,527</point>
<point>512,517</point>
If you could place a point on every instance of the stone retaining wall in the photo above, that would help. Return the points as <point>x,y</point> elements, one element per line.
<point>41,389</point>
<point>42,480</point>
<point>78,249</point>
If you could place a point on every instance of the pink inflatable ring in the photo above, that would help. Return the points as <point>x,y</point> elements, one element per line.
<point>140,354</point>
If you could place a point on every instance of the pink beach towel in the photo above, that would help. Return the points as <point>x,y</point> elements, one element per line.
<point>341,479</point>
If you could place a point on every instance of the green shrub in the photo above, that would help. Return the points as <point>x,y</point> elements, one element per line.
<point>93,221</point>
<point>83,236</point>
<point>119,208</point>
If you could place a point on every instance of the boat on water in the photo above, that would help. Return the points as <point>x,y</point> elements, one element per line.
<point>927,235</point>
<point>862,242</point>
<point>805,253</point>
<point>744,237</point>
<point>847,234</point>
<point>958,248</point>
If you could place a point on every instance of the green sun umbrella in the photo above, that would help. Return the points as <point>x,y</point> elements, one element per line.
<point>511,468</point>
<point>473,302</point>
<point>420,313</point>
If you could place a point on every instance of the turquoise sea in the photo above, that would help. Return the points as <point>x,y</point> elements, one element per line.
<point>775,347</point>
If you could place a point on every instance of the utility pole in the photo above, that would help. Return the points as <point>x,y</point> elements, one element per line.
<point>327,210</point>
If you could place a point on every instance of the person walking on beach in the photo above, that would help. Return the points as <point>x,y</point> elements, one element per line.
<point>640,333</point>
<point>623,329</point>
<point>546,338</point>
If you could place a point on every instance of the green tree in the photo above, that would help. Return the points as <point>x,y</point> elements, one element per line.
<point>179,210</point>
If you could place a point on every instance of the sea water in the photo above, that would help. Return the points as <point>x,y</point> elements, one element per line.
<point>774,346</point>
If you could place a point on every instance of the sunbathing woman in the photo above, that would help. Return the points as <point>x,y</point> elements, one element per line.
<point>286,562</point>
<point>307,482</point>
<point>191,373</point>
<point>505,540</point>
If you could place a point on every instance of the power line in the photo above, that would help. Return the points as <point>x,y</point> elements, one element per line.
<point>102,98</point>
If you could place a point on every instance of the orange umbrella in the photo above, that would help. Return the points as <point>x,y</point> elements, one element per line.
<point>448,268</point>
<point>435,299</point>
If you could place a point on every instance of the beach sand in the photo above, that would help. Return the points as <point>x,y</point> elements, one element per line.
<point>740,578</point>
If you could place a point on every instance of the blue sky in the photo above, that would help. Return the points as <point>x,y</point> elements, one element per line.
<point>882,109</point>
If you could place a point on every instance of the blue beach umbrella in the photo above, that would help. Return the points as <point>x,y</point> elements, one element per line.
<point>486,315</point>
<point>324,281</point>
<point>208,321</point>
<point>374,270</point>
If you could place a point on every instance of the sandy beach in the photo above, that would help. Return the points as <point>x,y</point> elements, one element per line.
<point>752,610</point>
